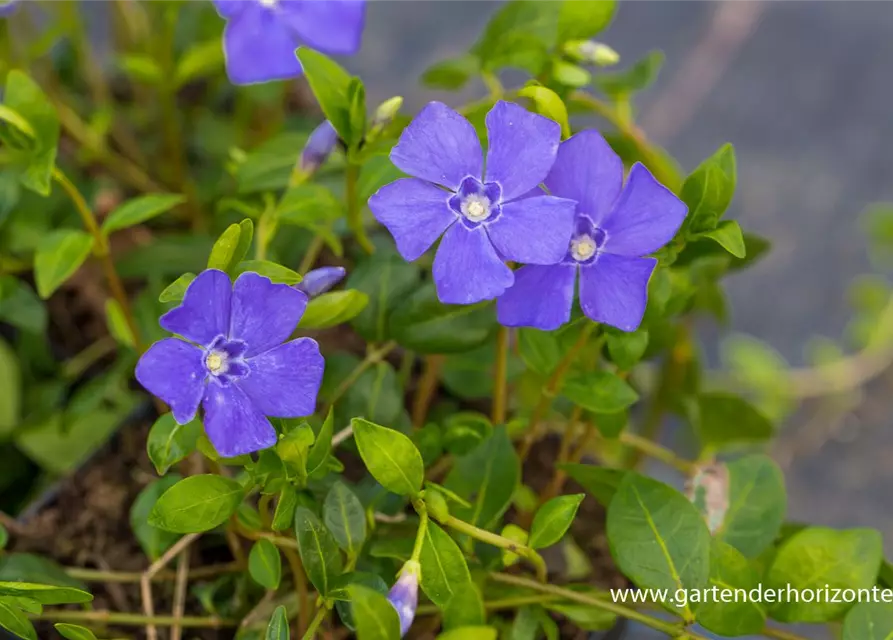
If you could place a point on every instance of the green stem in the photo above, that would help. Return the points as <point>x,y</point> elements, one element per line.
<point>372,358</point>
<point>422,510</point>
<point>354,208</point>
<point>498,541</point>
<point>313,251</point>
<point>75,366</point>
<point>656,451</point>
<point>134,619</point>
<point>314,624</point>
<point>673,630</point>
<point>126,577</point>
<point>500,376</point>
<point>497,605</point>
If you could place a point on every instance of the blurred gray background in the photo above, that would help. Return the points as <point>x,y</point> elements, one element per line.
<point>803,91</point>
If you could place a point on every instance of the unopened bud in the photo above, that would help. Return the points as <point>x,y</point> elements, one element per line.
<point>592,52</point>
<point>383,116</point>
<point>404,595</point>
<point>437,505</point>
<point>319,146</point>
<point>320,280</point>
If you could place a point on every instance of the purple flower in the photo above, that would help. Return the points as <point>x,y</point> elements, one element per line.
<point>320,280</point>
<point>615,226</point>
<point>318,148</point>
<point>8,7</point>
<point>261,36</point>
<point>404,595</point>
<point>486,220</point>
<point>235,363</point>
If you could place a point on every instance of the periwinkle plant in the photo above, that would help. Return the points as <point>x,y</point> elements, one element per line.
<point>492,255</point>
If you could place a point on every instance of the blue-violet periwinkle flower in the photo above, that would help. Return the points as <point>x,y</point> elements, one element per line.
<point>404,595</point>
<point>261,36</point>
<point>318,281</point>
<point>235,363</point>
<point>487,216</point>
<point>7,7</point>
<point>616,226</point>
<point>319,147</point>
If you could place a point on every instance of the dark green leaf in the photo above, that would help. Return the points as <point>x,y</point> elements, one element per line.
<point>444,570</point>
<point>330,84</point>
<point>44,593</point>
<point>757,504</point>
<point>139,210</point>
<point>26,98</point>
<point>375,617</point>
<point>424,324</point>
<point>15,621</point>
<point>74,632</point>
<point>390,456</point>
<point>320,450</point>
<point>386,279</point>
<point>277,629</point>
<point>724,419</point>
<point>59,254</point>
<point>333,308</point>
<point>627,349</point>
<point>153,540</point>
<point>709,189</point>
<point>10,390</point>
<point>284,515</point>
<point>265,564</point>
<point>319,551</point>
<point>451,74</point>
<point>599,391</point>
<point>818,558</point>
<point>869,621</point>
<point>169,442</point>
<point>540,350</point>
<point>552,520</point>
<point>739,617</point>
<point>519,35</point>
<point>345,517</point>
<point>197,503</point>
<point>657,538</point>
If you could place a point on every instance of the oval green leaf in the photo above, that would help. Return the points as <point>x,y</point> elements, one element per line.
<point>196,504</point>
<point>757,504</point>
<point>374,616</point>
<point>730,571</point>
<point>869,621</point>
<point>599,391</point>
<point>139,210</point>
<point>265,564</point>
<point>44,593</point>
<point>333,308</point>
<point>553,519</point>
<point>16,622</point>
<point>169,442</point>
<point>74,632</point>
<point>391,457</point>
<point>319,551</point>
<point>345,517</point>
<point>59,254</point>
<point>277,629</point>
<point>444,570</point>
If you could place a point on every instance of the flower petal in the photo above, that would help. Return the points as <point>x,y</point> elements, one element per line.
<point>233,424</point>
<point>541,297</point>
<point>331,26</point>
<point>174,371</point>
<point>587,170</point>
<point>521,148</point>
<point>284,381</point>
<point>318,281</point>
<point>439,146</point>
<point>614,290</point>
<point>229,9</point>
<point>645,218</point>
<point>415,212</point>
<point>204,313</point>
<point>264,314</point>
<point>534,230</point>
<point>467,268</point>
<point>259,47</point>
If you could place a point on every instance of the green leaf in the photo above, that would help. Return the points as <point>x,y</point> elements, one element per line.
<point>657,538</point>
<point>757,504</point>
<point>176,290</point>
<point>622,84</point>
<point>231,246</point>
<point>599,391</point>
<point>15,621</point>
<point>818,557</point>
<point>540,350</point>
<point>20,307</point>
<point>386,279</point>
<point>708,191</point>
<point>553,519</point>
<point>140,68</point>
<point>74,632</point>
<point>330,84</point>
<point>284,515</point>
<point>59,254</point>
<point>869,621</point>
<point>197,503</point>
<point>451,74</point>
<point>585,617</point>
<point>570,75</point>
<point>729,236</point>
<point>487,477</point>
<point>4,537</point>
<point>391,457</point>
<point>426,325</point>
<point>464,609</point>
<point>627,349</point>
<point>44,593</point>
<point>341,592</point>
<point>294,448</point>
<point>26,567</point>
<point>464,431</point>
<point>345,517</point>
<point>154,541</point>
<point>200,60</point>
<point>444,570</point>
<point>374,616</point>
<point>265,564</point>
<point>321,449</point>
<point>333,308</point>
<point>729,570</point>
<point>724,419</point>
<point>356,94</point>
<point>275,272</point>
<point>117,324</point>
<point>519,35</point>
<point>10,390</point>
<point>470,633</point>
<point>319,551</point>
<point>139,210</point>
<point>549,104</point>
<point>277,629</point>
<point>26,98</point>
<point>584,19</point>
<point>169,442</point>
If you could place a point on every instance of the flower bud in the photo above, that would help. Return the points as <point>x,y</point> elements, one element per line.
<point>320,280</point>
<point>385,112</point>
<point>319,146</point>
<point>404,595</point>
<point>592,52</point>
<point>437,505</point>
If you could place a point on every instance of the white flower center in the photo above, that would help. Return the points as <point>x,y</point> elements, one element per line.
<point>476,207</point>
<point>583,248</point>
<point>269,3</point>
<point>216,362</point>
